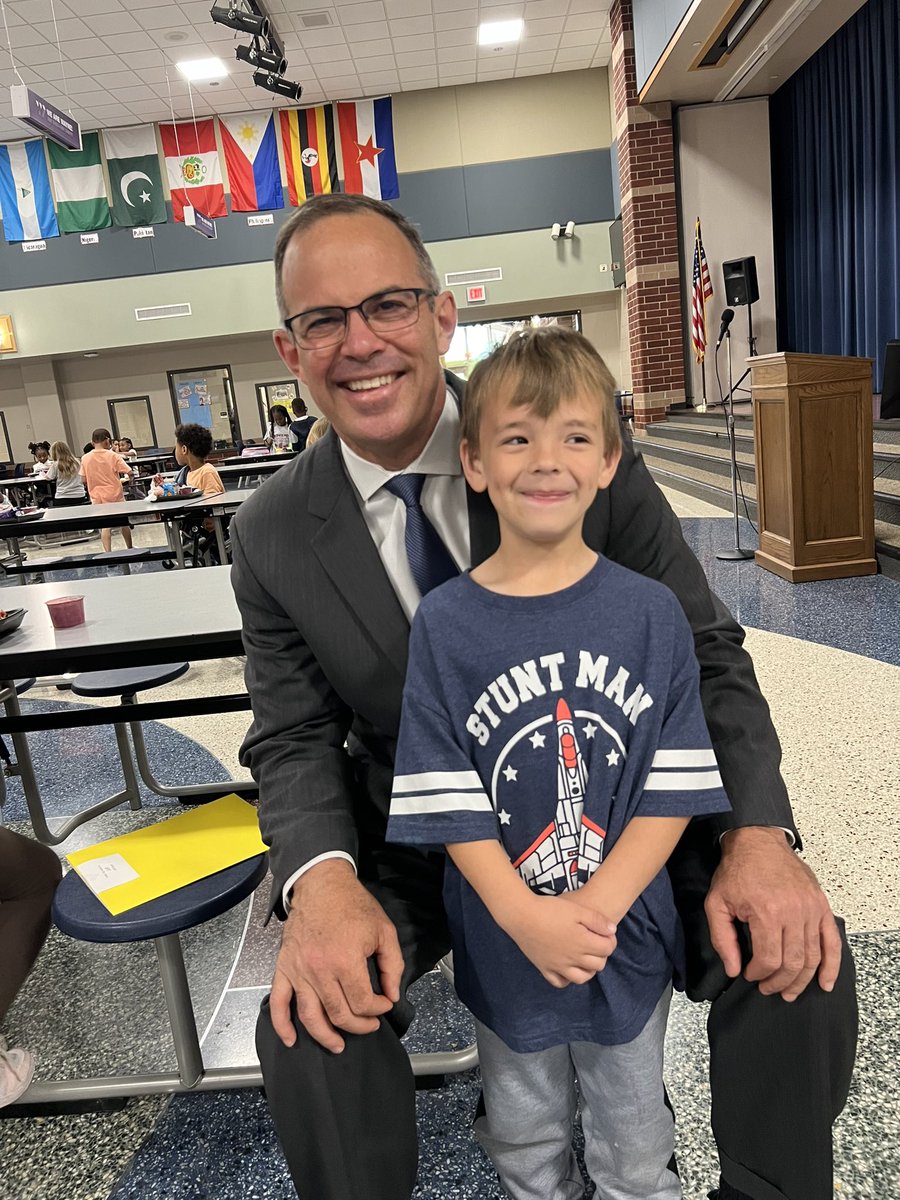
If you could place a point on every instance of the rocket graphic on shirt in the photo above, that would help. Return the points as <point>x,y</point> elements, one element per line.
<point>565,855</point>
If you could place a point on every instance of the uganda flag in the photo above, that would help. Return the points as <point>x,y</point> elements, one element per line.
<point>310,153</point>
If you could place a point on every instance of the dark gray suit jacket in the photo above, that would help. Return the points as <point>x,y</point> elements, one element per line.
<point>326,643</point>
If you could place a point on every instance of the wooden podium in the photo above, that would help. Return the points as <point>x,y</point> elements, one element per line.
<point>814,480</point>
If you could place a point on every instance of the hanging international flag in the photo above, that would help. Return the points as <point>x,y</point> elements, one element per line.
<point>81,201</point>
<point>310,154</point>
<point>251,159</point>
<point>701,292</point>
<point>367,148</point>
<point>25,196</point>
<point>193,168</point>
<point>135,180</point>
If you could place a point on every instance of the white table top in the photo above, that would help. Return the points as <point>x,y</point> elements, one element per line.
<point>130,620</point>
<point>100,516</point>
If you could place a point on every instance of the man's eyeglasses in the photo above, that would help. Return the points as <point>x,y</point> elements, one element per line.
<point>384,312</point>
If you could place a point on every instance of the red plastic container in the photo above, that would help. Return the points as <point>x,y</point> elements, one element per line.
<point>66,611</point>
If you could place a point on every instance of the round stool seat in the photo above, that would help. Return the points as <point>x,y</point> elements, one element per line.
<point>126,682</point>
<point>78,912</point>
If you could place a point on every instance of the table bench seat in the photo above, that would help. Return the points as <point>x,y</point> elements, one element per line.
<point>69,562</point>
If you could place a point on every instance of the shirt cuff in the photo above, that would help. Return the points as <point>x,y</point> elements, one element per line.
<point>313,862</point>
<point>788,833</point>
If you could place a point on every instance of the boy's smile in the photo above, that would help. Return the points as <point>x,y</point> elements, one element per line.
<point>541,473</point>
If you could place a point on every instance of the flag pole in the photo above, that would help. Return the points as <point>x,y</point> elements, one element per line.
<point>702,407</point>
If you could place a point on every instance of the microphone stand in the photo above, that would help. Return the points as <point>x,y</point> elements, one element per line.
<point>738,554</point>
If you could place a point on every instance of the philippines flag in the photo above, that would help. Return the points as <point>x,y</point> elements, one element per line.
<point>25,197</point>
<point>193,168</point>
<point>251,160</point>
<point>367,148</point>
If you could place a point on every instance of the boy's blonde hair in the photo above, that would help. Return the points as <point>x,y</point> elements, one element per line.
<point>542,367</point>
<point>317,431</point>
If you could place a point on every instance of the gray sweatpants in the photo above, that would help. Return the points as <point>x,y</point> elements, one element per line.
<point>530,1102</point>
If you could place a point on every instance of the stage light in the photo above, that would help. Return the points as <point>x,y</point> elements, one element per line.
<point>278,85</point>
<point>258,57</point>
<point>245,22</point>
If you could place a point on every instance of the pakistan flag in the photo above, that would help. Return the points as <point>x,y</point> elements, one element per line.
<point>134,177</point>
<point>81,201</point>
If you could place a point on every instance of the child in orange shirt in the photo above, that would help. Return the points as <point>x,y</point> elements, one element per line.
<point>100,471</point>
<point>193,444</point>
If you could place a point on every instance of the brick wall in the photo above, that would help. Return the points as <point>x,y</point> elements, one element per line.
<point>650,231</point>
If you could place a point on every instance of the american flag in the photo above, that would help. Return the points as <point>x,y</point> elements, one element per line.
<point>701,291</point>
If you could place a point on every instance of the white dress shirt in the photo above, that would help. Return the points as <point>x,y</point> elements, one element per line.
<point>444,503</point>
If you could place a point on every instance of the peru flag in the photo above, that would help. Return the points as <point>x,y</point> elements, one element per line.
<point>367,148</point>
<point>193,168</point>
<point>251,159</point>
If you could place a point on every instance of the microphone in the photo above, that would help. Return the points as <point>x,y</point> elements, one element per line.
<point>727,318</point>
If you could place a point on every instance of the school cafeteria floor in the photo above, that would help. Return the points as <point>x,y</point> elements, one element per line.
<point>828,657</point>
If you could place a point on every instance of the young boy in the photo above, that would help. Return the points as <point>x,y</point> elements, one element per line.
<point>552,739</point>
<point>193,444</point>
<point>101,470</point>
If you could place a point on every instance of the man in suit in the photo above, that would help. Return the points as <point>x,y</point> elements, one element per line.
<point>326,600</point>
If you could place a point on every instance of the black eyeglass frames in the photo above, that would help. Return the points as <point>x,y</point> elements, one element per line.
<point>384,312</point>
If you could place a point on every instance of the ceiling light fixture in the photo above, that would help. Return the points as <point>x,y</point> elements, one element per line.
<point>277,84</point>
<point>245,22</point>
<point>493,33</point>
<point>197,69</point>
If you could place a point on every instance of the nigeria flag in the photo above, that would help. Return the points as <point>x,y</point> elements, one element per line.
<point>134,176</point>
<point>77,175</point>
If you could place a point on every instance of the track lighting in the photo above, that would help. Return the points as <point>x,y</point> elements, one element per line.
<point>244,22</point>
<point>257,57</point>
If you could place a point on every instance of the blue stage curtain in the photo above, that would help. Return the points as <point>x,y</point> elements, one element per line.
<point>835,137</point>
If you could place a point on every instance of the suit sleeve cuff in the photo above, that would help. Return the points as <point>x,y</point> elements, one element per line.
<point>313,862</point>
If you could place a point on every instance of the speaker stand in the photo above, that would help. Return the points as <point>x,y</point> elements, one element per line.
<point>738,554</point>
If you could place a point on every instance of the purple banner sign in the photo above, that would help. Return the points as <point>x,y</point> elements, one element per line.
<point>45,117</point>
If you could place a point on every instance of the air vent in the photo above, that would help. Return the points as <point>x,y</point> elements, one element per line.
<point>315,20</point>
<point>162,310</point>
<point>485,275</point>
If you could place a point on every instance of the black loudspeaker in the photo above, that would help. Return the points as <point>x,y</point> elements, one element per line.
<point>890,387</point>
<point>740,281</point>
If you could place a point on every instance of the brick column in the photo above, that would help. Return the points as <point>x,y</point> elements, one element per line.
<point>650,230</point>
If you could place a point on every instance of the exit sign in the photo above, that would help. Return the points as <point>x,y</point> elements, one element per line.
<point>476,293</point>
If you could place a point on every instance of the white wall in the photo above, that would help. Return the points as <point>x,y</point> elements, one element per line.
<point>725,175</point>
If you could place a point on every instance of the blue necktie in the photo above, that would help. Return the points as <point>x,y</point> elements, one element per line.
<point>429,559</point>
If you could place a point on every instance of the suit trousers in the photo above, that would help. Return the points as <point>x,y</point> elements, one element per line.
<point>779,1073</point>
<point>29,873</point>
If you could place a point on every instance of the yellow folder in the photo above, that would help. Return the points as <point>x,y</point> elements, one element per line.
<point>126,871</point>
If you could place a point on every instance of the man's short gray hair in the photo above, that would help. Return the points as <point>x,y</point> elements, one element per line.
<point>340,204</point>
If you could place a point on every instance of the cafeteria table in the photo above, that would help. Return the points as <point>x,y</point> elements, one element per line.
<point>130,621</point>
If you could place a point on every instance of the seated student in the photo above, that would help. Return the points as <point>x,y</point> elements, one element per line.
<point>549,693</point>
<point>29,873</point>
<point>193,445</point>
<point>301,424</point>
<point>41,453</point>
<point>100,470</point>
<point>65,469</point>
<point>126,448</point>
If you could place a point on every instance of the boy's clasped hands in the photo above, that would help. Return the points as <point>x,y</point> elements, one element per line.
<point>567,938</point>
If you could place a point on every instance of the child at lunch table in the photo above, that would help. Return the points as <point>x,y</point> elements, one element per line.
<point>101,470</point>
<point>552,739</point>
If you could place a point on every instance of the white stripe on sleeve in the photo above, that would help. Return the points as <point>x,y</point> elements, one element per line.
<point>437,781</point>
<point>682,781</point>
<point>683,758</point>
<point>445,802</point>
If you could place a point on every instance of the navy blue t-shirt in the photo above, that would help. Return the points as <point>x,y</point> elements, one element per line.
<point>548,722</point>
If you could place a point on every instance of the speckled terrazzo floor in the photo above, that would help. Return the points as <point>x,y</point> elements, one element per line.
<point>828,658</point>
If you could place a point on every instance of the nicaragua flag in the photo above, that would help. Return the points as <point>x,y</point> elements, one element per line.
<point>251,160</point>
<point>367,148</point>
<point>25,197</point>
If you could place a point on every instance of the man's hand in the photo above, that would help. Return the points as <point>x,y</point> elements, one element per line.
<point>333,928</point>
<point>567,941</point>
<point>763,883</point>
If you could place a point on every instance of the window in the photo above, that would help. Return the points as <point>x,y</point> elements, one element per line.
<point>268,394</point>
<point>474,340</point>
<point>204,396</point>
<point>5,451</point>
<point>133,418</point>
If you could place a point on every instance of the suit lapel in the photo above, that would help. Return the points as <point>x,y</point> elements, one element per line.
<point>346,552</point>
<point>484,530</point>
